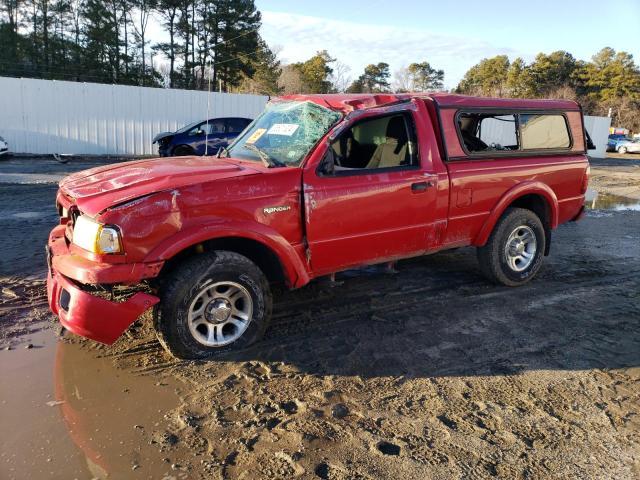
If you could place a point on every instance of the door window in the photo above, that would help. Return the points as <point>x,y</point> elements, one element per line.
<point>214,126</point>
<point>197,130</point>
<point>372,144</point>
<point>236,125</point>
<point>211,128</point>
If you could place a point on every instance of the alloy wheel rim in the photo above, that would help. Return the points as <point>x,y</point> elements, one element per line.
<point>520,248</point>
<point>220,313</point>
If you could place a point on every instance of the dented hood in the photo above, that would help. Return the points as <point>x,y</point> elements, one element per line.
<point>97,189</point>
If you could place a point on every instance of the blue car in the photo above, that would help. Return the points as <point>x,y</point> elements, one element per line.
<point>193,139</point>
<point>614,140</point>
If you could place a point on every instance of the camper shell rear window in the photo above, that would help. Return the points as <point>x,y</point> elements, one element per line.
<point>490,133</point>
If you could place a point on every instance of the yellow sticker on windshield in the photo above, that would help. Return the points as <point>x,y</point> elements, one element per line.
<point>255,136</point>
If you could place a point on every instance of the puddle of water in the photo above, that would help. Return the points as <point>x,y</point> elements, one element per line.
<point>66,414</point>
<point>604,201</point>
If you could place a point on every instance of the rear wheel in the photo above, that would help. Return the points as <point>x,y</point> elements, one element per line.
<point>182,151</point>
<point>513,254</point>
<point>214,303</point>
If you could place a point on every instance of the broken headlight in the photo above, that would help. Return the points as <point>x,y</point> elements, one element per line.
<point>95,237</point>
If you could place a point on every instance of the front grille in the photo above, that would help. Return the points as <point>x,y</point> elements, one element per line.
<point>73,214</point>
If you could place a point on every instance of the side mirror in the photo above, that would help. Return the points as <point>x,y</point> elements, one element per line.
<point>328,164</point>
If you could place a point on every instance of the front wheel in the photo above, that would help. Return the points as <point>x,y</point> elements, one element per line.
<point>182,151</point>
<point>214,303</point>
<point>513,254</point>
<point>622,150</point>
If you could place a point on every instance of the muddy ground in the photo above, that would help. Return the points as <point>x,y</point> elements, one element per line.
<point>618,174</point>
<point>427,373</point>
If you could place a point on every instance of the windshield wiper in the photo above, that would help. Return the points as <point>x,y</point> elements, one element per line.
<point>268,161</point>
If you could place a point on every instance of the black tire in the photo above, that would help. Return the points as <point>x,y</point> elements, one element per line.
<point>182,151</point>
<point>622,150</point>
<point>493,257</point>
<point>183,285</point>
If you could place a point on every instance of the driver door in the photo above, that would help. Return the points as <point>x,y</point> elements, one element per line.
<point>375,202</point>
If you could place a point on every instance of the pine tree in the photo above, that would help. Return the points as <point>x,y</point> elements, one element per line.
<point>233,41</point>
<point>315,73</point>
<point>488,78</point>
<point>425,78</point>
<point>169,12</point>
<point>266,74</point>
<point>101,40</point>
<point>375,79</point>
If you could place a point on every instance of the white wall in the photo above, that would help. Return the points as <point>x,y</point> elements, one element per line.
<point>47,116</point>
<point>598,128</point>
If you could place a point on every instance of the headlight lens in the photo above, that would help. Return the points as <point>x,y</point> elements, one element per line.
<point>109,240</point>
<point>95,237</point>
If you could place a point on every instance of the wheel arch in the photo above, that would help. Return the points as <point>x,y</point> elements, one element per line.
<point>275,257</point>
<point>182,145</point>
<point>535,196</point>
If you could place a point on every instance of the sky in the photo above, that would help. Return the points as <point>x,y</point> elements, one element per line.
<point>452,36</point>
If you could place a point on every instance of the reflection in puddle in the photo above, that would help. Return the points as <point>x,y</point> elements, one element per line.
<point>604,201</point>
<point>87,420</point>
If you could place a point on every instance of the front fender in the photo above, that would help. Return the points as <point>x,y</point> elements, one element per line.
<point>290,259</point>
<point>511,195</point>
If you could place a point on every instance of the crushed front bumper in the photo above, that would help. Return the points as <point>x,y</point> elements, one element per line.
<point>93,317</point>
<point>83,313</point>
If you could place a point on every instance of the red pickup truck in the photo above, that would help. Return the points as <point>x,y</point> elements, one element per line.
<point>315,185</point>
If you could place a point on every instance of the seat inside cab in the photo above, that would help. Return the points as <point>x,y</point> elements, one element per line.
<point>382,142</point>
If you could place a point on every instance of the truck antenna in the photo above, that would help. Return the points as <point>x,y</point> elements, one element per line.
<point>206,133</point>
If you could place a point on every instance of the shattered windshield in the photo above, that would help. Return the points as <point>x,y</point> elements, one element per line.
<point>284,133</point>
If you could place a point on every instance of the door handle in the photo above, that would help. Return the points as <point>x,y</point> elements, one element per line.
<point>420,186</point>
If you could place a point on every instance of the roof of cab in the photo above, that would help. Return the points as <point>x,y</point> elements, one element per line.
<point>349,102</point>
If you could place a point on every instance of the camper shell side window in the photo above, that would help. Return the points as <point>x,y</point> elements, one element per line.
<point>489,133</point>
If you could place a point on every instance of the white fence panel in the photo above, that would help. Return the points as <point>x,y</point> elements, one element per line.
<point>47,116</point>
<point>598,128</point>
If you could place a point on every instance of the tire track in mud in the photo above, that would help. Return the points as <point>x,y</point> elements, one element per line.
<point>411,301</point>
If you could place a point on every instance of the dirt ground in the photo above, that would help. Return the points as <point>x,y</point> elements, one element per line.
<point>618,174</point>
<point>427,373</point>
